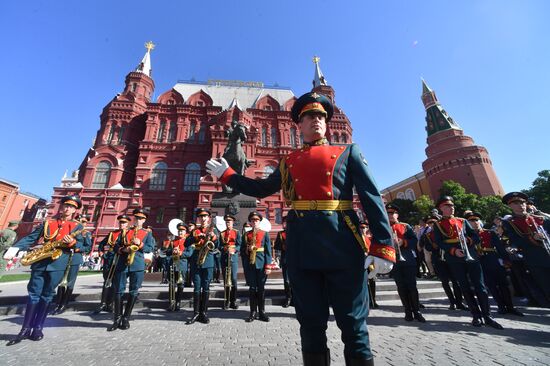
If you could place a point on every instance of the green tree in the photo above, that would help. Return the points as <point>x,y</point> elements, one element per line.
<point>490,207</point>
<point>407,211</point>
<point>423,206</point>
<point>540,191</point>
<point>463,201</point>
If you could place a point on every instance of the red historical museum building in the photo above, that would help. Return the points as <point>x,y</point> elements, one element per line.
<point>152,154</point>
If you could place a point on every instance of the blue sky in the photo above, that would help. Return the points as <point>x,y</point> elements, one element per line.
<point>487,60</point>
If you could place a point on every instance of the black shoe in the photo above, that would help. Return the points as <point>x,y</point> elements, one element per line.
<point>358,361</point>
<point>316,359</point>
<point>124,323</point>
<point>476,322</point>
<point>492,323</point>
<point>263,317</point>
<point>418,316</point>
<point>375,305</point>
<point>25,333</point>
<point>203,318</point>
<point>452,307</point>
<point>421,306</point>
<point>502,310</point>
<point>409,317</point>
<point>251,317</point>
<point>461,306</point>
<point>100,308</point>
<point>37,334</point>
<point>193,319</point>
<point>514,311</point>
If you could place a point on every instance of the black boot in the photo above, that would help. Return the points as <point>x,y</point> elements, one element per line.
<point>59,299</point>
<point>117,313</point>
<point>358,361</point>
<point>226,297</point>
<point>286,304</point>
<point>507,297</point>
<point>372,284</point>
<point>179,295</point>
<point>316,359</point>
<point>406,304</point>
<point>486,312</point>
<point>109,302</point>
<point>233,298</point>
<point>203,310</point>
<point>25,332</point>
<point>261,306</point>
<point>103,303</point>
<point>40,318</point>
<point>125,321</point>
<point>196,303</point>
<point>253,300</point>
<point>415,305</point>
<point>64,301</point>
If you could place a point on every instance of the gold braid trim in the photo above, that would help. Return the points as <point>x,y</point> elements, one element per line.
<point>355,232</point>
<point>287,185</point>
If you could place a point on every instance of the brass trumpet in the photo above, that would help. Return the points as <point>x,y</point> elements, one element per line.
<point>400,257</point>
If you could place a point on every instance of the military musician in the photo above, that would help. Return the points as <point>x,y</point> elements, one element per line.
<point>199,248</point>
<point>440,265</point>
<point>458,240</point>
<point>130,265</point>
<point>230,246</point>
<point>62,232</point>
<point>66,287</point>
<point>177,268</point>
<point>531,234</point>
<point>256,256</point>
<point>404,270</point>
<point>492,256</point>
<point>280,249</point>
<point>106,251</point>
<point>326,254</point>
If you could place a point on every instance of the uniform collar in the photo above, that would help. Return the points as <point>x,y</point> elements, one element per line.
<point>320,142</point>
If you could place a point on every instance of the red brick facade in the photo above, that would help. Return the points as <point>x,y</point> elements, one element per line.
<point>152,154</point>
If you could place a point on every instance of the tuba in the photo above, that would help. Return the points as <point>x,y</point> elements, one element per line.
<point>52,249</point>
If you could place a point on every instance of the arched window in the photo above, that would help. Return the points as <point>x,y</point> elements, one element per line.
<point>293,137</point>
<point>172,131</point>
<point>409,193</point>
<point>162,128</point>
<point>273,137</point>
<point>102,174</point>
<point>202,134</point>
<point>192,177</point>
<point>192,127</point>
<point>111,134</point>
<point>344,138</point>
<point>121,131</point>
<point>335,138</point>
<point>158,177</point>
<point>401,195</point>
<point>264,136</point>
<point>268,170</point>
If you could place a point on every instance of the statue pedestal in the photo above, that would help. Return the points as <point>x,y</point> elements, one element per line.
<point>237,204</point>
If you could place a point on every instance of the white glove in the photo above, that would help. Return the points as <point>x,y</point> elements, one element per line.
<point>10,253</point>
<point>380,265</point>
<point>216,168</point>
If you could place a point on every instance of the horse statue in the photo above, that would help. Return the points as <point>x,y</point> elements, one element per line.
<point>234,153</point>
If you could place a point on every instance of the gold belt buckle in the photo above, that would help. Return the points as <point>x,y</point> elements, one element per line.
<point>312,205</point>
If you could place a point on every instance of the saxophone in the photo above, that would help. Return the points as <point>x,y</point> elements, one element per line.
<point>52,249</point>
<point>206,248</point>
<point>252,249</point>
<point>133,248</point>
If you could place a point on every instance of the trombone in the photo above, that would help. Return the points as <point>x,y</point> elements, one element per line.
<point>463,244</point>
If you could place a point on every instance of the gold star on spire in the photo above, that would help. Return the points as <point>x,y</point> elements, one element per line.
<point>149,46</point>
<point>316,59</point>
